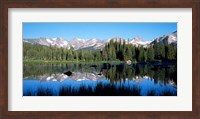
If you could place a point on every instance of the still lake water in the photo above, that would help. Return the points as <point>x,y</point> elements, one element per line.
<point>100,79</point>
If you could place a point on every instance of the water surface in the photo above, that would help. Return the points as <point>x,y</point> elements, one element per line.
<point>101,79</point>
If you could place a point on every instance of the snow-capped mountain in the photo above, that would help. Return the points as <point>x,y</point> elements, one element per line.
<point>59,42</point>
<point>94,43</point>
<point>78,43</point>
<point>137,41</point>
<point>168,38</point>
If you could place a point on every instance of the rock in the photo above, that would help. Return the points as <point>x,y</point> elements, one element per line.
<point>129,62</point>
<point>68,73</point>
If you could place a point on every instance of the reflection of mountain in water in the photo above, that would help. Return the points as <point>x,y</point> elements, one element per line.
<point>100,79</point>
<point>164,73</point>
<point>77,76</point>
<point>80,76</point>
<point>54,77</point>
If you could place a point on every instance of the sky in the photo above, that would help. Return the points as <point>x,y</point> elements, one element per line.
<point>88,30</point>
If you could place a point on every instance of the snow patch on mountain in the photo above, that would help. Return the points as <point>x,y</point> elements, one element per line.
<point>168,38</point>
<point>78,43</point>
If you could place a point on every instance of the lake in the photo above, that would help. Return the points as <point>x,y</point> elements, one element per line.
<point>100,79</point>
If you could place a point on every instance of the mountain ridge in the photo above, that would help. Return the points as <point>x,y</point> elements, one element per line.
<point>94,43</point>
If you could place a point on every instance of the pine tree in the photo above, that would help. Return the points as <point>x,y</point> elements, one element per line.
<point>150,54</point>
<point>128,53</point>
<point>141,54</point>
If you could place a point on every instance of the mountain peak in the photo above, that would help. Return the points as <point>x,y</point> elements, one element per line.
<point>167,38</point>
<point>137,39</point>
<point>94,43</point>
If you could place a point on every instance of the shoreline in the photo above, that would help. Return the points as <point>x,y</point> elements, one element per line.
<point>64,62</point>
<point>91,62</point>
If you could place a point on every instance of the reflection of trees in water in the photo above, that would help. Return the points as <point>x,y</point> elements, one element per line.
<point>161,74</point>
<point>114,72</point>
<point>99,90</point>
<point>36,70</point>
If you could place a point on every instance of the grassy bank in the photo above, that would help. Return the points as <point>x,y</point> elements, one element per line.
<point>65,62</point>
<point>88,62</point>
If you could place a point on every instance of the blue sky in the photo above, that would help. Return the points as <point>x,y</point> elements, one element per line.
<point>88,30</point>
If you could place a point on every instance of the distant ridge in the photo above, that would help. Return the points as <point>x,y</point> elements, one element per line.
<point>92,44</point>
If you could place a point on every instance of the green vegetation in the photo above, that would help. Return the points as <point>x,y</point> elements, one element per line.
<point>113,51</point>
<point>65,61</point>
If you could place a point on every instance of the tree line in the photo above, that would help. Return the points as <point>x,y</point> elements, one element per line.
<point>113,51</point>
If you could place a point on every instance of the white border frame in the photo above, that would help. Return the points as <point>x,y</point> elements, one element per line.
<point>182,102</point>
